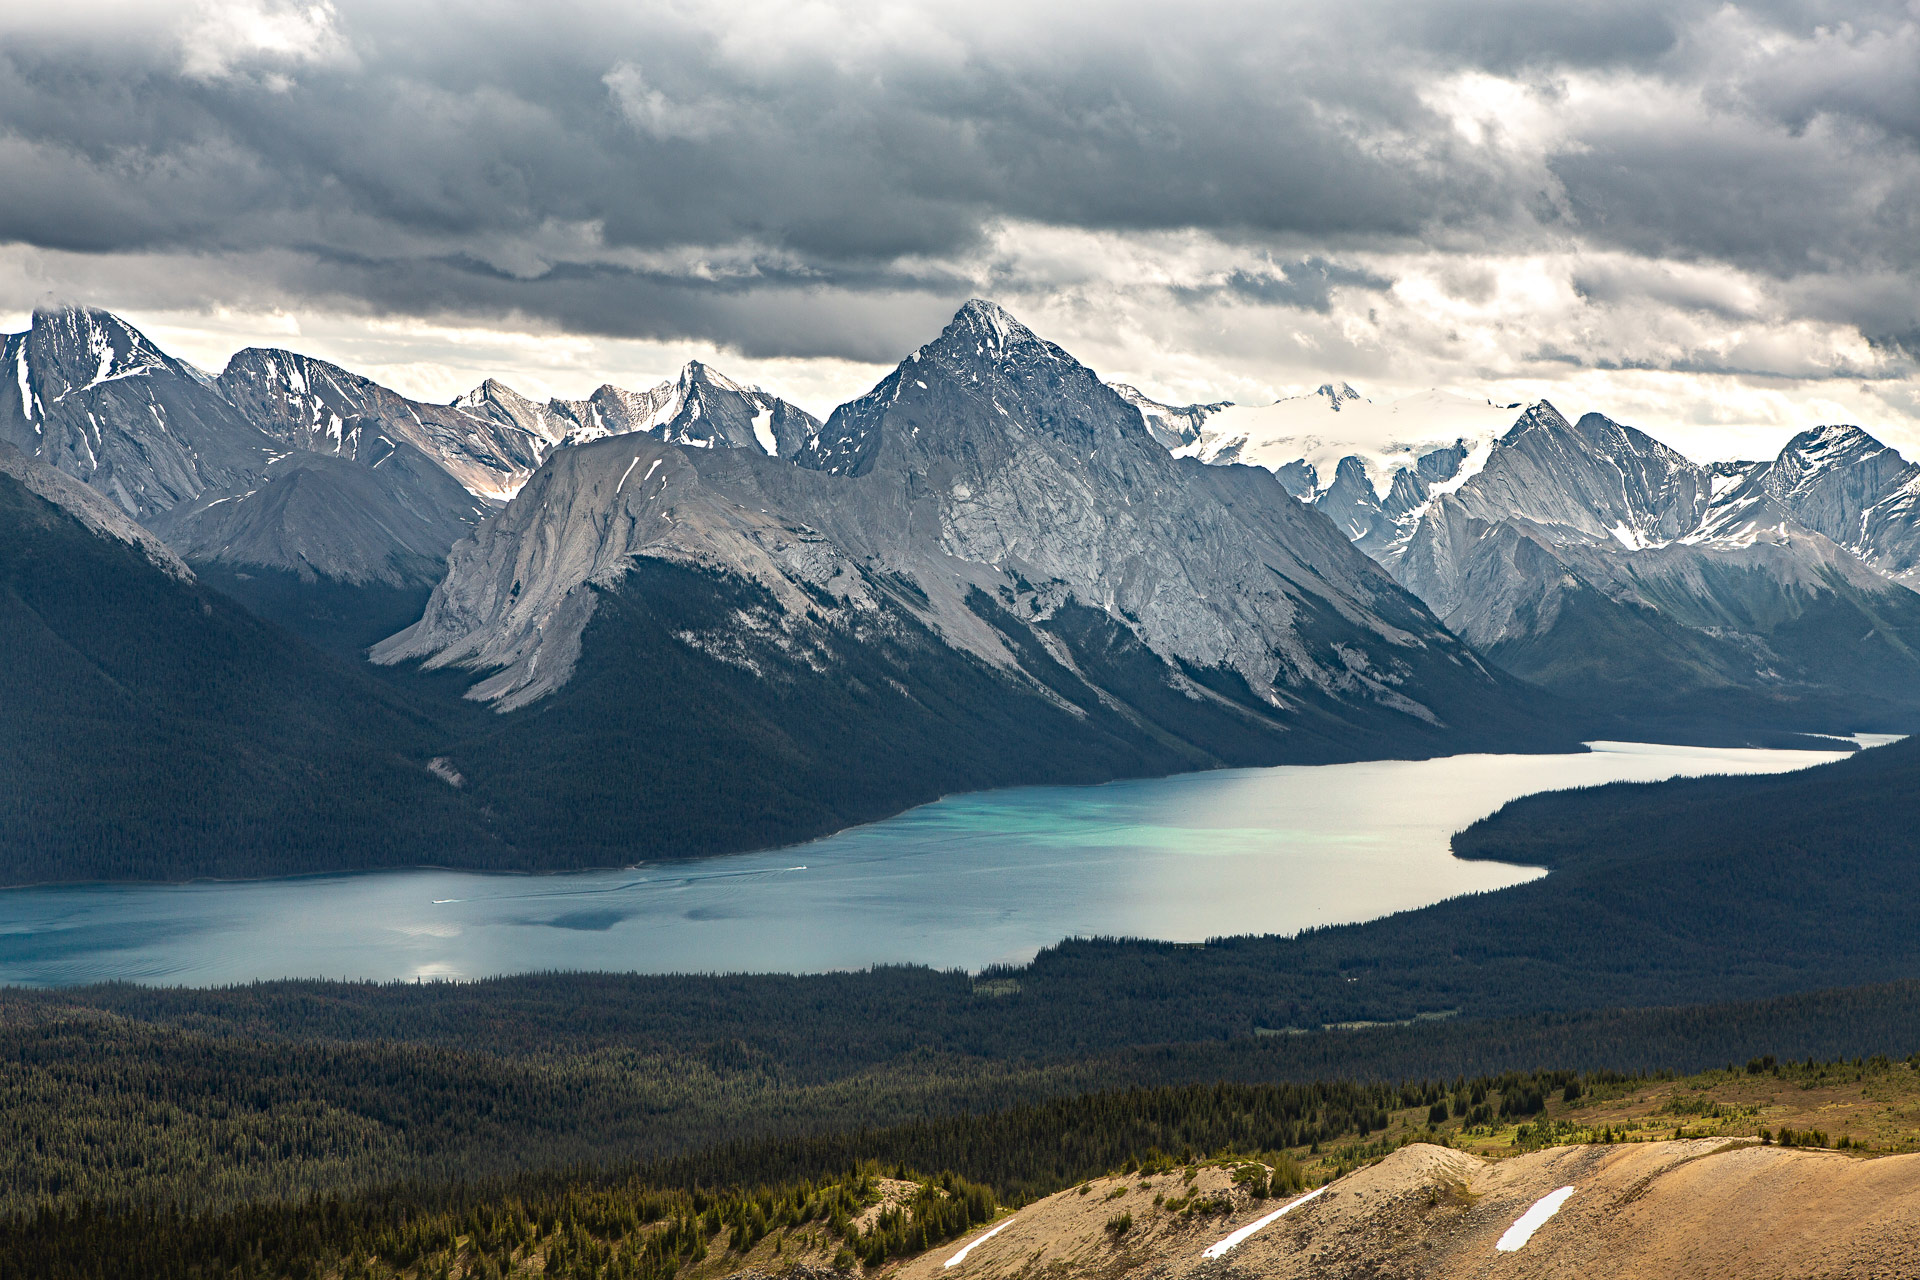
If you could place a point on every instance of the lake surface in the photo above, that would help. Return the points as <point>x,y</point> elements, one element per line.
<point>963,883</point>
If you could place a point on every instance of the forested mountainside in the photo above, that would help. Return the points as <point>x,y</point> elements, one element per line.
<point>154,728</point>
<point>277,1090</point>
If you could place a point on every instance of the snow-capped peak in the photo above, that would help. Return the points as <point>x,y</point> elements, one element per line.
<point>1337,396</point>
<point>989,325</point>
<point>82,347</point>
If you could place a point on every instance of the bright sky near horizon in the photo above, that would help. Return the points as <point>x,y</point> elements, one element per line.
<point>1702,219</point>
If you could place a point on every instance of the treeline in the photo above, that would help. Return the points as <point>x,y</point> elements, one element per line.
<point>1144,1003</point>
<point>577,1229</point>
<point>649,1223</point>
<point>220,1098</point>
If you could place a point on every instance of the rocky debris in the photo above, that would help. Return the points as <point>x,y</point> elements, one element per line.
<point>1705,1208</point>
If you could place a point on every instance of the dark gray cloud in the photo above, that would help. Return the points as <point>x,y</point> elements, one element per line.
<point>666,171</point>
<point>1308,284</point>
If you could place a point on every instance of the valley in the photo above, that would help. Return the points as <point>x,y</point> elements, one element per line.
<point>1344,693</point>
<point>721,640</point>
<point>993,569</point>
<point>968,882</point>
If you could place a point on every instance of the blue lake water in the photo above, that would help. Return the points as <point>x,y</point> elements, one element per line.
<point>963,883</point>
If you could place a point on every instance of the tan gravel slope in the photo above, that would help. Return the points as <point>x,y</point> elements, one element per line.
<point>1654,1209</point>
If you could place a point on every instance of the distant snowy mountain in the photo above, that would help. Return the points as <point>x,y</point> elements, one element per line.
<point>701,408</point>
<point>1596,561</point>
<point>1370,467</point>
<point>1174,426</point>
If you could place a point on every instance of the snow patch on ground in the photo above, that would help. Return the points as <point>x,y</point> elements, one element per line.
<point>1532,1220</point>
<point>1217,1249</point>
<point>961,1256</point>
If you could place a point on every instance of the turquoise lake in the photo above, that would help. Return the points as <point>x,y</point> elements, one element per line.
<point>963,883</point>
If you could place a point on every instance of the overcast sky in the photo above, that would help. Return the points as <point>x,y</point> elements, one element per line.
<point>1702,219</point>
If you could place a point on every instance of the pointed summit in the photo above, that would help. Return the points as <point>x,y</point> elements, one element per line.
<point>1336,397</point>
<point>78,347</point>
<point>699,407</point>
<point>92,396</point>
<point>987,329</point>
<point>1539,416</point>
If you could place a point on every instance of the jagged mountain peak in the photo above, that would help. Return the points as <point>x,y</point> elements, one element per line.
<point>1831,444</point>
<point>699,407</point>
<point>82,347</point>
<point>986,330</point>
<point>1538,416</point>
<point>695,375</point>
<point>494,391</point>
<point>985,359</point>
<point>989,320</point>
<point>1337,396</point>
<point>89,394</point>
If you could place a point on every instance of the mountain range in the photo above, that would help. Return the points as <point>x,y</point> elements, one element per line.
<point>705,620</point>
<point>1599,564</point>
<point>696,618</point>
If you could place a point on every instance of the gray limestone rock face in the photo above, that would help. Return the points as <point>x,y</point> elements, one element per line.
<point>1855,490</point>
<point>1831,477</point>
<point>989,461</point>
<point>89,395</point>
<point>94,511</point>
<point>1590,557</point>
<point>490,442</point>
<point>319,515</point>
<point>701,407</point>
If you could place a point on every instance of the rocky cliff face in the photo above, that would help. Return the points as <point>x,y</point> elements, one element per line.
<point>89,395</point>
<point>290,463</point>
<point>1592,559</point>
<point>989,489</point>
<point>1847,485</point>
<point>490,441</point>
<point>320,515</point>
<point>701,408</point>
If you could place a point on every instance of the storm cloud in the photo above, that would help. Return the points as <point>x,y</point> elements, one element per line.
<point>1473,189</point>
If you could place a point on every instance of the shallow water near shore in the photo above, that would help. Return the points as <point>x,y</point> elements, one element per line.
<point>966,882</point>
